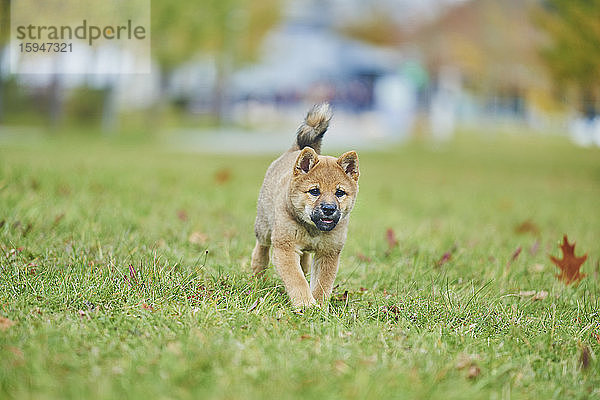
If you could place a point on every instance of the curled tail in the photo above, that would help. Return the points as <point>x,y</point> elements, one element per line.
<point>311,132</point>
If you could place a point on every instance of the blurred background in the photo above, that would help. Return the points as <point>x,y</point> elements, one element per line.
<point>228,73</point>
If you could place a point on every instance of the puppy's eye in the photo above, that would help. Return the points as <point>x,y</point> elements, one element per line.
<point>340,193</point>
<point>314,191</point>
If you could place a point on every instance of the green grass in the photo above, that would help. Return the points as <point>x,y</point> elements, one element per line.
<point>111,299</point>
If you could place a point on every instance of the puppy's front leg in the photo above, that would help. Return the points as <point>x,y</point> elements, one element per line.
<point>287,263</point>
<point>322,275</point>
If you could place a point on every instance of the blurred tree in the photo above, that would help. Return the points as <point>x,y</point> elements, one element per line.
<point>377,28</point>
<point>230,30</point>
<point>491,44</point>
<point>573,53</point>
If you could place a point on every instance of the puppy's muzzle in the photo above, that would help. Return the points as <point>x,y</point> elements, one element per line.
<point>326,216</point>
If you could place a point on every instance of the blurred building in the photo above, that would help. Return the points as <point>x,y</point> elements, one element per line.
<point>306,59</point>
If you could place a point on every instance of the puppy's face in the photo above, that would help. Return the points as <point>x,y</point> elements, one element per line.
<point>323,188</point>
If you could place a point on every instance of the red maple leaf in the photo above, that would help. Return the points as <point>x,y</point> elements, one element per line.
<point>569,265</point>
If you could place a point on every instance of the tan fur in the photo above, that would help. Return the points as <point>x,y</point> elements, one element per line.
<point>284,212</point>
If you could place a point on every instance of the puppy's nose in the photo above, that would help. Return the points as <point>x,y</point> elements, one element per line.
<point>328,208</point>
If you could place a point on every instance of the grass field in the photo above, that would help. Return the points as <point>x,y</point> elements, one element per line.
<point>125,274</point>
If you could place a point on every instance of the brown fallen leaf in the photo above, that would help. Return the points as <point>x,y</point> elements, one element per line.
<point>390,237</point>
<point>514,257</point>
<point>527,226</point>
<point>584,357</point>
<point>58,218</point>
<point>222,176</point>
<point>447,256</point>
<point>569,265</point>
<point>5,323</point>
<point>182,215</point>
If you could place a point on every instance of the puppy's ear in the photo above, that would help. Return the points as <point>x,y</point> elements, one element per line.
<point>349,163</point>
<point>306,160</point>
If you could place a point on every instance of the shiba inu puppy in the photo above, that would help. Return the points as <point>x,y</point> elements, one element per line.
<point>303,207</point>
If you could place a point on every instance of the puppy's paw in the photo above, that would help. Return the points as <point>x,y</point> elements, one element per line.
<point>301,305</point>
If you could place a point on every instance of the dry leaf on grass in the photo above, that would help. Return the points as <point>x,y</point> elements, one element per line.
<point>514,257</point>
<point>390,237</point>
<point>5,323</point>
<point>527,227</point>
<point>182,215</point>
<point>58,218</point>
<point>569,265</point>
<point>584,357</point>
<point>222,176</point>
<point>447,256</point>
